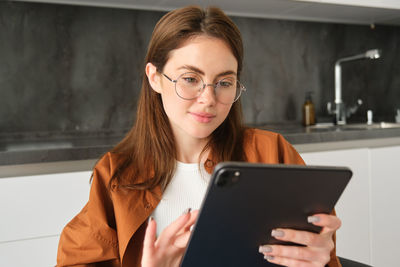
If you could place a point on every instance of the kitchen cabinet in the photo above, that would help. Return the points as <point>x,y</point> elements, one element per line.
<point>390,4</point>
<point>34,210</point>
<point>341,11</point>
<point>30,252</point>
<point>385,201</point>
<point>368,206</point>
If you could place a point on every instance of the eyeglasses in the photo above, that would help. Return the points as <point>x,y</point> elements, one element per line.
<point>190,85</point>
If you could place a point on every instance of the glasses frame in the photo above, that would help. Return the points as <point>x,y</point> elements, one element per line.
<point>241,87</point>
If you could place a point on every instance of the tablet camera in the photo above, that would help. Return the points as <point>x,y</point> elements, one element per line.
<point>227,178</point>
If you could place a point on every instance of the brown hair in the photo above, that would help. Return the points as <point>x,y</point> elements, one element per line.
<point>147,155</point>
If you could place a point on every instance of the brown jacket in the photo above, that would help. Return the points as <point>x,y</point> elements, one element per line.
<point>110,228</point>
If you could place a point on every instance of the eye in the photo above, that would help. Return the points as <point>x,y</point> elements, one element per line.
<point>190,79</point>
<point>226,83</point>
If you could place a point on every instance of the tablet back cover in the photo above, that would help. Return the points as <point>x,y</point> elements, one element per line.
<point>245,201</point>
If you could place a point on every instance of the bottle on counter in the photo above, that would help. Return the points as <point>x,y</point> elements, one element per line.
<point>308,110</point>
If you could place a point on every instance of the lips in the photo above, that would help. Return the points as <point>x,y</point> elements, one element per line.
<point>202,116</point>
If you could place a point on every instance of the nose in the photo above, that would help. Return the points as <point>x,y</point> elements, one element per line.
<point>207,96</point>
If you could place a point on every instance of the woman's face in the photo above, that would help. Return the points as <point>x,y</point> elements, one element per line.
<point>212,60</point>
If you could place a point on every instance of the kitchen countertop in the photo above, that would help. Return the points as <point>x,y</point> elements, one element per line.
<point>68,147</point>
<point>39,147</point>
<point>326,137</point>
<point>297,134</point>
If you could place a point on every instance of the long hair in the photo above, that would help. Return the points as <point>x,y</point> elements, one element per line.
<point>147,155</point>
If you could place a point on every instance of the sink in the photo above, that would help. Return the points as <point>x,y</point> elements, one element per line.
<point>379,125</point>
<point>353,126</point>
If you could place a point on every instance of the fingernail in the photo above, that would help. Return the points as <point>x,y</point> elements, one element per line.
<point>268,257</point>
<point>151,218</point>
<point>277,233</point>
<point>313,219</point>
<point>186,211</point>
<point>265,249</point>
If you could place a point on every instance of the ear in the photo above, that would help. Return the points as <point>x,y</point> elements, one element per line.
<point>153,77</point>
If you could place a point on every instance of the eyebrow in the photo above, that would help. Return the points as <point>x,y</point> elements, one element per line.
<point>195,69</point>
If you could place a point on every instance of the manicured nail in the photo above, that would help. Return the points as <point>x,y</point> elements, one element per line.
<point>265,249</point>
<point>268,257</point>
<point>313,219</point>
<point>277,233</point>
<point>186,211</point>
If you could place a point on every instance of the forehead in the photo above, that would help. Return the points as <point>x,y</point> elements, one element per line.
<point>209,54</point>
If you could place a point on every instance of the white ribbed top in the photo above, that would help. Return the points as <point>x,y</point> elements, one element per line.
<point>186,190</point>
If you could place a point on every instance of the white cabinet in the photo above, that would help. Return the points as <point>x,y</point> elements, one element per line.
<point>392,4</point>
<point>385,202</point>
<point>29,252</point>
<point>34,209</point>
<point>368,207</point>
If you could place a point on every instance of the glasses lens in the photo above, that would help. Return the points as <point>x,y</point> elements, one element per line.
<point>189,85</point>
<point>227,90</point>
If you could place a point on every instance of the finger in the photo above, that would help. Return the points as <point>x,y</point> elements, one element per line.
<point>184,234</point>
<point>168,235</point>
<point>300,237</point>
<point>287,261</point>
<point>330,223</point>
<point>296,253</point>
<point>149,238</point>
<point>182,240</point>
<point>191,221</point>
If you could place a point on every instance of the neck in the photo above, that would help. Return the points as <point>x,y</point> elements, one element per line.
<point>188,151</point>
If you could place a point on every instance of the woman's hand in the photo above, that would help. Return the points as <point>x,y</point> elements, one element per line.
<point>317,246</point>
<point>167,250</point>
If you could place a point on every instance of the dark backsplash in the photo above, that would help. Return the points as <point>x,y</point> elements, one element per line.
<point>68,68</point>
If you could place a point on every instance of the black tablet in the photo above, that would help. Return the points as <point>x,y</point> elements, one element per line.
<point>245,201</point>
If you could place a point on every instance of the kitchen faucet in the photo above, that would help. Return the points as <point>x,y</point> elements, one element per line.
<point>340,111</point>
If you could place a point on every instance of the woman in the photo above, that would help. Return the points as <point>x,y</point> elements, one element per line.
<point>188,120</point>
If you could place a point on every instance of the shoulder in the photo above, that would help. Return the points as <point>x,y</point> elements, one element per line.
<point>108,163</point>
<point>106,167</point>
<point>269,147</point>
<point>256,137</point>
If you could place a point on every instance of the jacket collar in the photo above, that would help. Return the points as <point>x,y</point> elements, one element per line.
<point>140,205</point>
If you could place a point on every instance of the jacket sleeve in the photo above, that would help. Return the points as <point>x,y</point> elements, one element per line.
<point>287,153</point>
<point>90,238</point>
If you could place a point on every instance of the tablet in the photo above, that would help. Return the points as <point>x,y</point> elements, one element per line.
<point>245,201</point>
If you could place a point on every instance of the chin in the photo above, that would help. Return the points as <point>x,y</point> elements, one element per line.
<point>202,134</point>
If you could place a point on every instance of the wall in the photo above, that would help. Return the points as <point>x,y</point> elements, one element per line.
<point>68,68</point>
